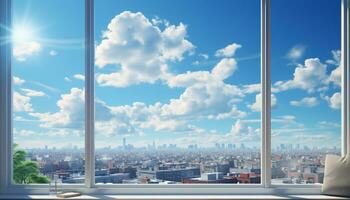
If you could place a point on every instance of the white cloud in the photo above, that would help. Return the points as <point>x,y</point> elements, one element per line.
<point>109,120</point>
<point>141,52</point>
<point>335,101</point>
<point>335,58</point>
<point>114,127</point>
<point>228,51</point>
<point>189,79</point>
<point>33,93</point>
<point>234,113</point>
<point>204,56</point>
<point>296,52</point>
<point>224,69</point>
<point>23,133</point>
<point>53,53</point>
<point>67,79</point>
<point>205,93</point>
<point>240,133</point>
<point>252,88</point>
<point>243,133</point>
<point>70,114</point>
<point>256,106</point>
<point>79,77</point>
<point>284,119</point>
<point>221,71</point>
<point>172,125</point>
<point>203,99</point>
<point>157,21</point>
<point>21,51</point>
<point>307,101</point>
<point>21,103</point>
<point>308,77</point>
<point>335,76</point>
<point>326,124</point>
<point>17,80</point>
<point>174,42</point>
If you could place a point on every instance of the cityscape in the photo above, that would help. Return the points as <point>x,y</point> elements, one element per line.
<point>170,164</point>
<point>178,96</point>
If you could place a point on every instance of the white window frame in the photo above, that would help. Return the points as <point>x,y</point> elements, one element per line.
<point>7,186</point>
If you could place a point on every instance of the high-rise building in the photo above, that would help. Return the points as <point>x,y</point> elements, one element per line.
<point>124,143</point>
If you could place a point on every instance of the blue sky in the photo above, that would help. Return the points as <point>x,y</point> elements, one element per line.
<point>176,72</point>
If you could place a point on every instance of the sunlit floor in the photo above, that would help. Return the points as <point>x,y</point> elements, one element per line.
<point>172,197</point>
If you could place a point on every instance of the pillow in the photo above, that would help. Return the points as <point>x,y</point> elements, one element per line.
<point>337,176</point>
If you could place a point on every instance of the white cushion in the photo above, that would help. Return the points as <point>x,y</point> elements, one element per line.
<point>336,176</point>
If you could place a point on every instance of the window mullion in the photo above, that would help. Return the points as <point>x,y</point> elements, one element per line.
<point>266,94</point>
<point>6,95</point>
<point>89,95</point>
<point>345,74</point>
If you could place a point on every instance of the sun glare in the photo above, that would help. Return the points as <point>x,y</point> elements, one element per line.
<point>23,33</point>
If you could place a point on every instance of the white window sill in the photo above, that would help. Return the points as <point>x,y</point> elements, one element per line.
<point>173,197</point>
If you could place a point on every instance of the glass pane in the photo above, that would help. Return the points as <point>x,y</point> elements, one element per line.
<point>306,78</point>
<point>177,91</point>
<point>48,91</point>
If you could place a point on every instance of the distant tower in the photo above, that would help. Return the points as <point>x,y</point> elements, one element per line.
<point>154,144</point>
<point>124,143</point>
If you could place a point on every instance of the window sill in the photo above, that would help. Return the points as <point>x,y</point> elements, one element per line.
<point>155,197</point>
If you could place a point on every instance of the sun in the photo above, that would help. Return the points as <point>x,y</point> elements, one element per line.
<point>23,33</point>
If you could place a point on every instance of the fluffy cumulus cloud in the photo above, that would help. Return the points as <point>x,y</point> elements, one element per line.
<point>234,113</point>
<point>306,101</point>
<point>309,77</point>
<point>221,71</point>
<point>296,52</point>
<point>140,49</point>
<point>70,114</point>
<point>21,103</point>
<point>256,106</point>
<point>114,127</point>
<point>335,101</point>
<point>128,119</point>
<point>206,94</point>
<point>212,99</point>
<point>335,76</point>
<point>252,88</point>
<point>21,51</point>
<point>206,99</point>
<point>228,51</point>
<point>241,132</point>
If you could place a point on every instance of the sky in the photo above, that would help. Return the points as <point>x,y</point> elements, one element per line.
<point>176,73</point>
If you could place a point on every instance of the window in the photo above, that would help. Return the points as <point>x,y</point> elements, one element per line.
<point>48,90</point>
<point>177,95</point>
<point>306,86</point>
<point>133,93</point>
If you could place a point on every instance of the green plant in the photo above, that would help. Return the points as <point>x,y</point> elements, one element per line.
<point>26,172</point>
